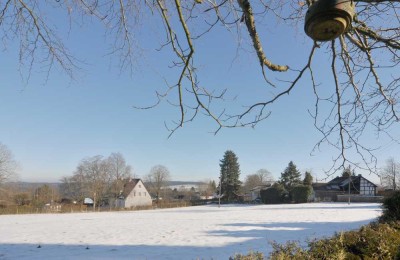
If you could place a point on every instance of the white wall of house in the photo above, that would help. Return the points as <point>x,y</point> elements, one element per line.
<point>366,187</point>
<point>139,196</point>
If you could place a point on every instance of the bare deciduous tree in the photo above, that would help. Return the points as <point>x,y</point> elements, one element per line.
<point>390,174</point>
<point>44,195</point>
<point>157,179</point>
<point>119,171</point>
<point>8,165</point>
<point>207,188</point>
<point>73,187</point>
<point>261,177</point>
<point>96,175</point>
<point>98,178</point>
<point>362,94</point>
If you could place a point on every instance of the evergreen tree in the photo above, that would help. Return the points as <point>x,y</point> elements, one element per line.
<point>290,177</point>
<point>212,187</point>
<point>347,172</point>
<point>308,179</point>
<point>229,176</point>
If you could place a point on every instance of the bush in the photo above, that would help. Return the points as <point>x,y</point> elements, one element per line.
<point>290,250</point>
<point>391,208</point>
<point>301,193</point>
<point>274,195</point>
<point>398,254</point>
<point>250,256</point>
<point>375,241</point>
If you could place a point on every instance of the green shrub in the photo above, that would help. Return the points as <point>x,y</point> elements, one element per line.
<point>249,256</point>
<point>375,241</point>
<point>391,208</point>
<point>398,254</point>
<point>370,242</point>
<point>301,193</point>
<point>290,250</point>
<point>274,195</point>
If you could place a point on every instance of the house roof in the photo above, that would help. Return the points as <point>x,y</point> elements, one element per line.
<point>338,182</point>
<point>128,186</point>
<point>319,186</point>
<point>342,181</point>
<point>260,187</point>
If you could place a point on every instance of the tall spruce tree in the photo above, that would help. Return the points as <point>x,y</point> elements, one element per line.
<point>290,177</point>
<point>229,176</point>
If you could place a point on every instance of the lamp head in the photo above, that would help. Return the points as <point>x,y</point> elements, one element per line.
<point>327,19</point>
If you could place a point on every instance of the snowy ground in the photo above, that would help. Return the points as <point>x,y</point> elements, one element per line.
<point>203,232</point>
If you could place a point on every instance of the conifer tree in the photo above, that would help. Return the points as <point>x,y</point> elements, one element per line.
<point>229,176</point>
<point>290,177</point>
<point>212,186</point>
<point>347,172</point>
<point>308,179</point>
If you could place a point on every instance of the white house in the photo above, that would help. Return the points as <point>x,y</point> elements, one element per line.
<point>134,194</point>
<point>338,189</point>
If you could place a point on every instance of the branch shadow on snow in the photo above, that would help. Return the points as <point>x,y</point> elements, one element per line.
<point>293,230</point>
<point>244,238</point>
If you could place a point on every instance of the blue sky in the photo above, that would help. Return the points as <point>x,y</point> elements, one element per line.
<point>51,125</point>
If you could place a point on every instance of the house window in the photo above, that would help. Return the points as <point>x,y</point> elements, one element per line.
<point>134,193</point>
<point>140,194</point>
<point>145,194</point>
<point>140,186</point>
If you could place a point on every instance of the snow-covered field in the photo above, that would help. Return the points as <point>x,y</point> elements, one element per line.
<point>203,232</point>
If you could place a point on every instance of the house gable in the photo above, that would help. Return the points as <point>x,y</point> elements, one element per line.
<point>135,194</point>
<point>367,187</point>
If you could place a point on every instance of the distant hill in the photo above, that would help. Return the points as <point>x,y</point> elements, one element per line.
<point>185,183</point>
<point>27,186</point>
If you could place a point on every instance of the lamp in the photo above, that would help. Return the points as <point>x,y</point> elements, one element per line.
<point>327,19</point>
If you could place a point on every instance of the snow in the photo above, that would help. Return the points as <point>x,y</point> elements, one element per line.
<point>202,232</point>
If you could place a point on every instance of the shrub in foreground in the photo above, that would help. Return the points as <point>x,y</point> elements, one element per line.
<point>374,241</point>
<point>391,208</point>
<point>249,256</point>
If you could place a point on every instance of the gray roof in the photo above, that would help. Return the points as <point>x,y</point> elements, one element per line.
<point>342,181</point>
<point>338,182</point>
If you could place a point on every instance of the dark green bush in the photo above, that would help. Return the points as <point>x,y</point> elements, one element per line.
<point>301,193</point>
<point>391,208</point>
<point>274,195</point>
<point>375,241</point>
